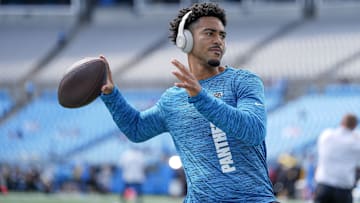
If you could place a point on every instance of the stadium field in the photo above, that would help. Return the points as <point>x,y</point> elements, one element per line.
<point>87,198</point>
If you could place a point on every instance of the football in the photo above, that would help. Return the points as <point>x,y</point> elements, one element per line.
<point>82,82</point>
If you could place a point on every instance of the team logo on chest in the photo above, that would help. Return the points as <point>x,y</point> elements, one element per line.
<point>218,94</point>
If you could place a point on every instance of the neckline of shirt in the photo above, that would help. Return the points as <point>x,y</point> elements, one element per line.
<point>215,76</point>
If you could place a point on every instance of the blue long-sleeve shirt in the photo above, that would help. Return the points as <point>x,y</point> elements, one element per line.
<point>219,135</point>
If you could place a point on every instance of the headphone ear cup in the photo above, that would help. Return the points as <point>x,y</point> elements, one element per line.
<point>180,41</point>
<point>188,41</point>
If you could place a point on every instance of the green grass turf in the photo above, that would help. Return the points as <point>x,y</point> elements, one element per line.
<point>87,198</point>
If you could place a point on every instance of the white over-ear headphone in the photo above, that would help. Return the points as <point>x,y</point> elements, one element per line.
<point>184,39</point>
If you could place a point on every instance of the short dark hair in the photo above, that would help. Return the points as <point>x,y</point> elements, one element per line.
<point>198,10</point>
<point>349,121</point>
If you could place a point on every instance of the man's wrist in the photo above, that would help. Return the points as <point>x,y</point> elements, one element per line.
<point>193,99</point>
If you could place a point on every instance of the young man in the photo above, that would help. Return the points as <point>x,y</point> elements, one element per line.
<point>338,157</point>
<point>215,115</point>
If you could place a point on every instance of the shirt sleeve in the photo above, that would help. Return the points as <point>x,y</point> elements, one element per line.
<point>246,121</point>
<point>137,126</point>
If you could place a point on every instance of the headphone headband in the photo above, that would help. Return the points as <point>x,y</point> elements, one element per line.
<point>182,22</point>
<point>182,38</point>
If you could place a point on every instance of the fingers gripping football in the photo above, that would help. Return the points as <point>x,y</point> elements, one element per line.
<point>108,87</point>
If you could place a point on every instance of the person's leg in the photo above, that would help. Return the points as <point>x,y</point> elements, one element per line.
<point>323,194</point>
<point>139,192</point>
<point>122,194</point>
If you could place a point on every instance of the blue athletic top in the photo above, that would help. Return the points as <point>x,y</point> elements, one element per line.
<point>219,135</point>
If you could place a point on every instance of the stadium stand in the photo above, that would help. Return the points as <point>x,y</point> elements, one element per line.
<point>121,39</point>
<point>5,102</point>
<point>296,56</point>
<point>244,33</point>
<point>45,130</point>
<point>351,72</point>
<point>25,42</point>
<point>294,127</point>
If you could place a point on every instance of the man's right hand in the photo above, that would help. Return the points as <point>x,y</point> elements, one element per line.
<point>108,87</point>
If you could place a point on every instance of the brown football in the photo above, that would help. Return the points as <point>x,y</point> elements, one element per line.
<point>82,83</point>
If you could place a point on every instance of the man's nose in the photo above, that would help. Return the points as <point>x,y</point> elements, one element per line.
<point>218,39</point>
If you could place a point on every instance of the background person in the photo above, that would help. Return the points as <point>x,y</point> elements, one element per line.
<point>133,167</point>
<point>338,156</point>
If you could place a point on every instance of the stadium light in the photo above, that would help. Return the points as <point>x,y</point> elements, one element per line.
<point>175,162</point>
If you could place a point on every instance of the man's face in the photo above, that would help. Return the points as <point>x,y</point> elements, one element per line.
<point>209,40</point>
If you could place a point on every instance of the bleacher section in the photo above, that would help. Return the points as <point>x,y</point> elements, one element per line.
<point>295,127</point>
<point>351,72</point>
<point>243,32</point>
<point>24,43</point>
<point>44,130</point>
<point>5,102</point>
<point>118,34</point>
<point>275,94</point>
<point>310,50</point>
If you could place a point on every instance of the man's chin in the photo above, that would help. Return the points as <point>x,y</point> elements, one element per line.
<point>213,62</point>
